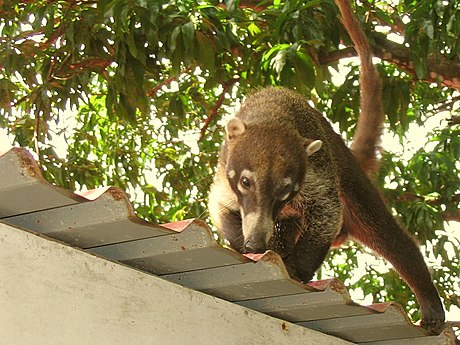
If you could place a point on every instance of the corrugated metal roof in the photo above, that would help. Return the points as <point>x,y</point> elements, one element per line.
<point>103,222</point>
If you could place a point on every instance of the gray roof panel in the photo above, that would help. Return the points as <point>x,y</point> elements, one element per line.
<point>23,188</point>
<point>103,222</point>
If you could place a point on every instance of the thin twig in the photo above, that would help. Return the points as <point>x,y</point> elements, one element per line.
<point>212,113</point>
<point>36,135</point>
<point>167,81</point>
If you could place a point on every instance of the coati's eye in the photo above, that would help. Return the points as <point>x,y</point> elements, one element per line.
<point>245,182</point>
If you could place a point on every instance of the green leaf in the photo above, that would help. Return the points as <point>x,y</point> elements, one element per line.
<point>206,51</point>
<point>174,35</point>
<point>304,70</point>
<point>427,26</point>
<point>188,34</point>
<point>420,67</point>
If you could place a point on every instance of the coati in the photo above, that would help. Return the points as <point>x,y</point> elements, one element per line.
<point>287,182</point>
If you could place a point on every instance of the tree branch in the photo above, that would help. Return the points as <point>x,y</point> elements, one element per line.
<point>446,215</point>
<point>396,26</point>
<point>156,88</point>
<point>168,81</point>
<point>448,105</point>
<point>454,120</point>
<point>440,69</point>
<point>36,137</point>
<point>212,113</point>
<point>451,216</point>
<point>327,59</point>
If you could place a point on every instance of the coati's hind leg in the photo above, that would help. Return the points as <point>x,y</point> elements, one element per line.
<point>368,221</point>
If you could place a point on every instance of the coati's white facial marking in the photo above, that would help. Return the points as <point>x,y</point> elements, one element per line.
<point>231,173</point>
<point>250,222</point>
<point>286,181</point>
<point>247,181</point>
<point>296,187</point>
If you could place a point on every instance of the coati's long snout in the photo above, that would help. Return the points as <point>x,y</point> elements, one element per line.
<point>258,229</point>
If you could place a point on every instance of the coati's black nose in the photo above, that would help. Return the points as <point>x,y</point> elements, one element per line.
<point>254,246</point>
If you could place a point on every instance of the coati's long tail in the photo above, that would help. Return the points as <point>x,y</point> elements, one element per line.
<point>366,141</point>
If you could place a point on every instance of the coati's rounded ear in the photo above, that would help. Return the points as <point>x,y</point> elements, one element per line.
<point>311,146</point>
<point>235,127</point>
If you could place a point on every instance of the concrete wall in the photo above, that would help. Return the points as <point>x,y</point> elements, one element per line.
<point>54,294</point>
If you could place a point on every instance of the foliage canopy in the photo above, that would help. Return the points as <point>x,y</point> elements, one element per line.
<point>135,90</point>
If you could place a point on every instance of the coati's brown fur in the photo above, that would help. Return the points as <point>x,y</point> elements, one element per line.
<point>270,193</point>
<point>287,182</point>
